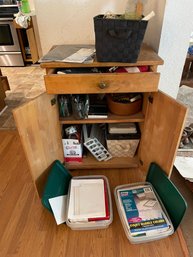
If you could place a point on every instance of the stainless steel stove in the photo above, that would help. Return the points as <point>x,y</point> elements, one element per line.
<point>10,51</point>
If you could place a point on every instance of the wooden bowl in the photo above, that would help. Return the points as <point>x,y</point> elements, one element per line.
<point>123,108</point>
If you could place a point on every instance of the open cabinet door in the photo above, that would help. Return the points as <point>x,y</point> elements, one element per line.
<point>162,132</point>
<point>38,125</point>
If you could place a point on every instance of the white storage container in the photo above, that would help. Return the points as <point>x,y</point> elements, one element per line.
<point>99,224</point>
<point>142,213</point>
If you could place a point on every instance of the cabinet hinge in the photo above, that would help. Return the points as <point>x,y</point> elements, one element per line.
<point>53,101</point>
<point>150,99</point>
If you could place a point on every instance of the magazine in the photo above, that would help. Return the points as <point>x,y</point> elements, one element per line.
<point>143,213</point>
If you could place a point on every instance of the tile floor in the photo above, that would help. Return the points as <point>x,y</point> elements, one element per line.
<point>25,84</point>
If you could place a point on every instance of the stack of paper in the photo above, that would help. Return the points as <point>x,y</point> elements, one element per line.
<point>80,56</point>
<point>88,200</point>
<point>184,166</point>
<point>70,53</point>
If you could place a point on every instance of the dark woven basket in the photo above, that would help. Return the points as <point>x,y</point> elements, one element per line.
<point>118,40</point>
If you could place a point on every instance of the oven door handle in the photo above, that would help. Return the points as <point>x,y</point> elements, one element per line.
<point>10,53</point>
<point>6,19</point>
<point>8,5</point>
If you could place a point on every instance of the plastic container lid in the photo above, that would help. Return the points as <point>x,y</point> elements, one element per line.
<point>57,183</point>
<point>142,213</point>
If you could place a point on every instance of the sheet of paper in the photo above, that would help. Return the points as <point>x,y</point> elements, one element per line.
<point>80,56</point>
<point>185,166</point>
<point>58,205</point>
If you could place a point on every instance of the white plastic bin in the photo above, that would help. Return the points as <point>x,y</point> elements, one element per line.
<point>142,213</point>
<point>100,224</point>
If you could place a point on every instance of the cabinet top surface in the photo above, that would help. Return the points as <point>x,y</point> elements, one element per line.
<point>147,56</point>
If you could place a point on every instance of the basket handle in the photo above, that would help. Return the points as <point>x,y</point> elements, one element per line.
<point>120,33</point>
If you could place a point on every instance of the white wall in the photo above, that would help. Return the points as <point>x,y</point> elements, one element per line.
<point>71,22</point>
<point>31,3</point>
<point>176,30</point>
<point>152,35</point>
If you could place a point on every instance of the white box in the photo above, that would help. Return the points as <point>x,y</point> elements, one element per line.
<point>72,150</point>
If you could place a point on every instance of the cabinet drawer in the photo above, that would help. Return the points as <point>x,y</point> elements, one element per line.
<point>101,83</point>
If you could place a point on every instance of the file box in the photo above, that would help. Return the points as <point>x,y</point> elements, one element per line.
<point>142,213</point>
<point>59,183</point>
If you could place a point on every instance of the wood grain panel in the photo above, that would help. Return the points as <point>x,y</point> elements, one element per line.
<point>32,45</point>
<point>163,127</point>
<point>112,118</point>
<point>37,36</point>
<point>89,162</point>
<point>90,83</point>
<point>39,129</point>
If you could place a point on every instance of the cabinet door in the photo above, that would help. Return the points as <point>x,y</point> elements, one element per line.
<point>163,127</point>
<point>38,126</point>
<point>32,45</point>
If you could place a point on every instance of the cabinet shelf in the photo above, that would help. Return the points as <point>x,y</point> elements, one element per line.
<point>138,117</point>
<point>89,162</point>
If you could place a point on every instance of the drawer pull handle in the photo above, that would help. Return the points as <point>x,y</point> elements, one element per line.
<point>102,85</point>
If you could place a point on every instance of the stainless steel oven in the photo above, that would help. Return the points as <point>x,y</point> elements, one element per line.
<point>10,52</point>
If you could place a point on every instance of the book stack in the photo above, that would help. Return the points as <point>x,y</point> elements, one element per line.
<point>88,202</point>
<point>97,107</point>
<point>143,217</point>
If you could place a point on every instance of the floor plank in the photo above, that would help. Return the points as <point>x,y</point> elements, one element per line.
<point>28,230</point>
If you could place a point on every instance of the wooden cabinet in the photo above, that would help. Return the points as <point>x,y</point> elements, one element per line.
<point>161,119</point>
<point>29,40</point>
<point>187,74</point>
<point>4,86</point>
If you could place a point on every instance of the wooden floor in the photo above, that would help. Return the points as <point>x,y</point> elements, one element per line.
<point>28,230</point>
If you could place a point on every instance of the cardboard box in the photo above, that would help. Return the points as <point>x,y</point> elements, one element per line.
<point>72,150</point>
<point>123,145</point>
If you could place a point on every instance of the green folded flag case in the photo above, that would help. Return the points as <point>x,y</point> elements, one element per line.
<point>57,183</point>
